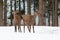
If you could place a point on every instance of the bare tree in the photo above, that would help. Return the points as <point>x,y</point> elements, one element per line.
<point>19,5</point>
<point>24,4</point>
<point>15,5</point>
<point>55,13</point>
<point>1,13</point>
<point>36,4</point>
<point>5,12</point>
<point>11,11</point>
<point>49,9</point>
<point>29,6</point>
<point>41,11</point>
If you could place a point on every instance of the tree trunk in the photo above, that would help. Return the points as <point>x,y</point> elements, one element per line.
<point>49,11</point>
<point>19,5</point>
<point>29,6</point>
<point>24,4</point>
<point>15,5</point>
<point>5,12</point>
<point>1,13</point>
<point>36,4</point>
<point>41,11</point>
<point>11,11</point>
<point>55,13</point>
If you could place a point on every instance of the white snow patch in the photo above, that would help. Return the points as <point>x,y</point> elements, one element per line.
<point>41,33</point>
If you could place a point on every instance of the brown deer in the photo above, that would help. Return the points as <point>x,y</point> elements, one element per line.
<point>17,17</point>
<point>30,20</point>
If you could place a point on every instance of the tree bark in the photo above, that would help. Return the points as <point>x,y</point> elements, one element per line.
<point>29,6</point>
<point>19,5</point>
<point>49,11</point>
<point>55,13</point>
<point>1,13</point>
<point>15,5</point>
<point>5,12</point>
<point>24,5</point>
<point>11,11</point>
<point>41,11</point>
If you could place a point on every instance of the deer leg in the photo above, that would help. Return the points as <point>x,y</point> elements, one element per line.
<point>33,29</point>
<point>24,27</point>
<point>15,25</point>
<point>15,28</point>
<point>29,28</point>
<point>19,23</point>
<point>19,28</point>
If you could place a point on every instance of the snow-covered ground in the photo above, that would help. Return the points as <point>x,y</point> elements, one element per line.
<point>41,33</point>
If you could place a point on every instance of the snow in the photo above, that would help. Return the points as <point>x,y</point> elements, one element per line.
<point>41,33</point>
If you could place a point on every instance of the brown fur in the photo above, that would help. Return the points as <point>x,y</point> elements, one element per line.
<point>17,16</point>
<point>17,20</point>
<point>29,20</point>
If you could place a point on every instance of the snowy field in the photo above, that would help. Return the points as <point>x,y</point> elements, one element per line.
<point>41,33</point>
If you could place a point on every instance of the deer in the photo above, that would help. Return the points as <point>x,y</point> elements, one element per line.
<point>17,20</point>
<point>17,17</point>
<point>30,20</point>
